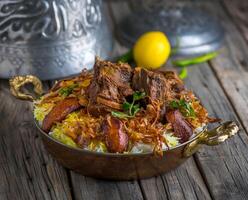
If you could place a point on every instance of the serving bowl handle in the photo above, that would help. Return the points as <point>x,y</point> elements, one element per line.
<point>18,81</point>
<point>212,137</point>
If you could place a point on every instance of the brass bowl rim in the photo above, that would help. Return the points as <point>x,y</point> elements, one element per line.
<point>116,154</point>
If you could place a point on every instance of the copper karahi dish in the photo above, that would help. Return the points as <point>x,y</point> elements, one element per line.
<point>121,123</point>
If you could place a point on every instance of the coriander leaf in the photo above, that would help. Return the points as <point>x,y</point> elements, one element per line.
<point>135,111</point>
<point>184,107</point>
<point>130,109</point>
<point>126,106</point>
<point>192,112</point>
<point>183,104</point>
<point>135,106</point>
<point>120,115</point>
<point>188,110</point>
<point>138,95</point>
<point>67,90</point>
<point>64,92</point>
<point>174,104</point>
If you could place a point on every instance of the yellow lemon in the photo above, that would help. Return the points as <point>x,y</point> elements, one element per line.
<point>151,50</point>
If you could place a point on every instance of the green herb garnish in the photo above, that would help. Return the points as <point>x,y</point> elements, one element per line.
<point>134,108</point>
<point>67,90</point>
<point>120,115</point>
<point>138,95</point>
<point>184,107</point>
<point>130,109</point>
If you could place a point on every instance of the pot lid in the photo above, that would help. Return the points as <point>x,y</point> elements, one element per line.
<point>190,30</point>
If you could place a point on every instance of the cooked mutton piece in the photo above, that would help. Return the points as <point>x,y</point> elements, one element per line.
<point>181,127</point>
<point>152,83</point>
<point>115,136</point>
<point>59,112</point>
<point>109,87</point>
<point>158,85</point>
<point>175,85</point>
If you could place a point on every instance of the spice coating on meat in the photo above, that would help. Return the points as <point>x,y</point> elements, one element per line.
<point>59,112</point>
<point>152,83</point>
<point>109,87</point>
<point>116,138</point>
<point>175,85</point>
<point>181,127</point>
<point>158,85</point>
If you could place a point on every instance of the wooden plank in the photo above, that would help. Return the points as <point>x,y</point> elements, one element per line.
<point>231,66</point>
<point>183,183</point>
<point>89,188</point>
<point>238,12</point>
<point>224,167</point>
<point>26,169</point>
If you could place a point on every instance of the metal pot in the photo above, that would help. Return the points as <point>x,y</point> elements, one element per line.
<point>51,38</point>
<point>122,166</point>
<point>191,30</point>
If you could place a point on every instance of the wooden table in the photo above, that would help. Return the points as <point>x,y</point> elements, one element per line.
<point>27,171</point>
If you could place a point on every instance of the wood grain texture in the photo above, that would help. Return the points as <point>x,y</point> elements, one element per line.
<point>89,188</point>
<point>26,169</point>
<point>231,66</point>
<point>238,12</point>
<point>224,167</point>
<point>185,182</point>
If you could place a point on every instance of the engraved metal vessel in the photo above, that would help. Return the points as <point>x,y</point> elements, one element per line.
<point>51,38</point>
<point>190,29</point>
